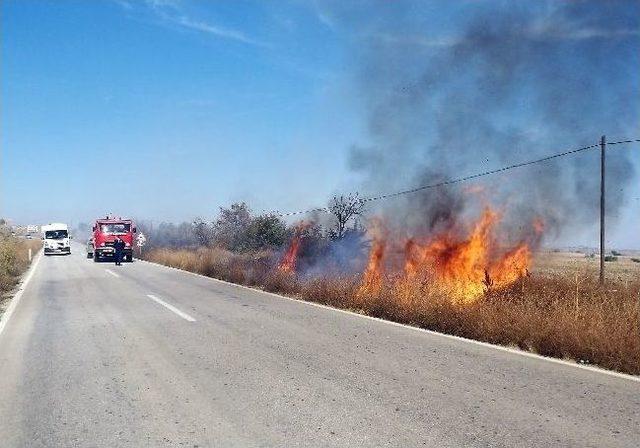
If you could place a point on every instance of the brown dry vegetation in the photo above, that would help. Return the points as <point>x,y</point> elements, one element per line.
<point>14,260</point>
<point>556,312</point>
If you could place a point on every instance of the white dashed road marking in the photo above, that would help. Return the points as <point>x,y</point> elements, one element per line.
<point>170,307</point>
<point>112,273</point>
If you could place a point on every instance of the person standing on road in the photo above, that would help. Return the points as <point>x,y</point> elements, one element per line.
<point>118,245</point>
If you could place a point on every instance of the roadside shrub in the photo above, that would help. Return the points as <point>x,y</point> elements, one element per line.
<point>235,229</point>
<point>14,260</point>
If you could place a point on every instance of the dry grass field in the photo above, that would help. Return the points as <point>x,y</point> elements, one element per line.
<point>14,260</point>
<point>572,263</point>
<point>558,310</point>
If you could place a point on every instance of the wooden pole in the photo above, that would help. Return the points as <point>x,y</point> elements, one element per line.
<point>603,147</point>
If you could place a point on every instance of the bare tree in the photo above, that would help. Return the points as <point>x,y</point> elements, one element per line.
<point>202,231</point>
<point>344,209</point>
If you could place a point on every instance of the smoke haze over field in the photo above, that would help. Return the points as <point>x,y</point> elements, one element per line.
<point>513,85</point>
<point>197,105</point>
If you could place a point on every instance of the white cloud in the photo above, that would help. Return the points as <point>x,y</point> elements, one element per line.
<point>124,4</point>
<point>591,33</point>
<point>324,16</point>
<point>214,30</point>
<point>418,40</point>
<point>536,33</point>
<point>170,12</point>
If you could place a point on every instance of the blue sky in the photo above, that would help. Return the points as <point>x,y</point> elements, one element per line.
<point>192,118</point>
<point>168,109</point>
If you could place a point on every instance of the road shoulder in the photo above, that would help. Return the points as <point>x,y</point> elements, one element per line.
<point>9,303</point>
<point>511,350</point>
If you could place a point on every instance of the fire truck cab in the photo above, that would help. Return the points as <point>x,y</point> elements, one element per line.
<point>105,232</point>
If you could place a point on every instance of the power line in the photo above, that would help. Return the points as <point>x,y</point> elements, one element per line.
<point>623,141</point>
<point>465,178</point>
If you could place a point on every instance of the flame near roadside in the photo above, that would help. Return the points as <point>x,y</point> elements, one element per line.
<point>464,261</point>
<point>290,258</point>
<point>464,265</point>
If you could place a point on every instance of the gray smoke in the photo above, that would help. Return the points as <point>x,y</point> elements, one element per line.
<point>511,86</point>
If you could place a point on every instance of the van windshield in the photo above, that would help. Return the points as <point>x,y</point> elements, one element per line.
<point>115,229</point>
<point>55,234</point>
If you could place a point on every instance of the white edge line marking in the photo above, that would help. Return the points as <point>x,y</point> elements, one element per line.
<point>502,348</point>
<point>170,307</point>
<point>23,286</point>
<point>112,273</point>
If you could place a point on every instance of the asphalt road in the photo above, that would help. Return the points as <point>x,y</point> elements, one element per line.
<point>145,356</point>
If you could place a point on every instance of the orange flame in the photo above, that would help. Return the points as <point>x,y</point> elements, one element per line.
<point>373,274</point>
<point>414,256</point>
<point>290,257</point>
<point>463,267</point>
<point>512,266</point>
<point>372,278</point>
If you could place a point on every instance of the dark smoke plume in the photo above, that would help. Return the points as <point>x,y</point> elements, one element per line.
<point>513,85</point>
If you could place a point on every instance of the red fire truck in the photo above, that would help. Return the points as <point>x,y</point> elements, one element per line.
<point>105,231</point>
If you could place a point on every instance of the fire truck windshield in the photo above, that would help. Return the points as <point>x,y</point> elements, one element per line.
<point>115,229</point>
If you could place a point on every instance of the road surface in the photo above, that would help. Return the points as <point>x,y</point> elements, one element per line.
<point>146,356</point>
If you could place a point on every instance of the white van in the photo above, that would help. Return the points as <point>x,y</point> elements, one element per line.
<point>55,239</point>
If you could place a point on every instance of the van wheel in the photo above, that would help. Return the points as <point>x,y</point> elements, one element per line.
<point>89,255</point>
<point>96,258</point>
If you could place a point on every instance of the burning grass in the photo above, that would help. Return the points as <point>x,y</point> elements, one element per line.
<point>290,258</point>
<point>557,314</point>
<point>463,263</point>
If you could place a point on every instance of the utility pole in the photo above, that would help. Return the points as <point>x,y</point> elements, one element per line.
<point>603,147</point>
